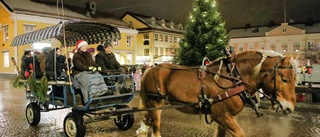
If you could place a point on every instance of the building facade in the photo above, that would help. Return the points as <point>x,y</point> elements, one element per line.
<point>157,40</point>
<point>20,16</point>
<point>285,38</point>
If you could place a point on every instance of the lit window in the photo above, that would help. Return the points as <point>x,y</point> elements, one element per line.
<point>156,49</point>
<point>273,47</point>
<point>296,46</point>
<point>170,39</point>
<point>261,46</point>
<point>161,38</point>
<point>5,33</point>
<point>241,48</point>
<point>251,46</point>
<point>284,47</point>
<point>175,39</point>
<point>161,51</point>
<point>146,52</point>
<point>6,59</point>
<point>156,37</point>
<point>129,41</point>
<point>116,43</point>
<point>29,28</point>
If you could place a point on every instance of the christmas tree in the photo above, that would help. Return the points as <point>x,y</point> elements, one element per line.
<point>204,36</point>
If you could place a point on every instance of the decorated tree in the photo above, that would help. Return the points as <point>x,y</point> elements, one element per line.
<point>204,36</point>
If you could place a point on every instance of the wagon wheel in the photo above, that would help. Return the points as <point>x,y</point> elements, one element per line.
<point>73,125</point>
<point>33,114</point>
<point>124,122</point>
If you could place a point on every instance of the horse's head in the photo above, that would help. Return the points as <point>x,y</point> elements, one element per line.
<point>275,74</point>
<point>279,80</point>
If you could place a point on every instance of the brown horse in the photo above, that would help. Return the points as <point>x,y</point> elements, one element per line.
<point>175,84</point>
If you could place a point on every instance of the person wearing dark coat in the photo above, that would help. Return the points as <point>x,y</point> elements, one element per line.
<point>106,58</point>
<point>108,62</point>
<point>86,72</point>
<point>55,62</point>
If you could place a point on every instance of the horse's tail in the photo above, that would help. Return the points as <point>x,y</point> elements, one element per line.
<point>142,102</point>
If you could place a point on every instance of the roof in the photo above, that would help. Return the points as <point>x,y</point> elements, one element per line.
<point>70,32</point>
<point>49,9</point>
<point>28,7</point>
<point>261,31</point>
<point>157,25</point>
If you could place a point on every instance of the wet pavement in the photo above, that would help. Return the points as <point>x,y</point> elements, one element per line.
<point>304,122</point>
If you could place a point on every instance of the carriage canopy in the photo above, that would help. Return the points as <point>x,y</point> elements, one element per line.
<point>72,31</point>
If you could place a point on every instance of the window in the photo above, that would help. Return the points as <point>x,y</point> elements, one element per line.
<point>146,52</point>
<point>273,46</point>
<point>145,39</point>
<point>284,30</point>
<point>29,28</point>
<point>251,46</point>
<point>170,39</point>
<point>261,46</point>
<point>296,47</point>
<point>168,51</point>
<point>156,49</point>
<point>5,33</point>
<point>116,43</point>
<point>166,38</point>
<point>160,51</point>
<point>161,38</point>
<point>175,39</point>
<point>129,58</point>
<point>178,39</point>
<point>284,47</point>
<point>6,59</point>
<point>129,41</point>
<point>131,24</point>
<point>309,45</point>
<point>240,47</point>
<point>156,37</point>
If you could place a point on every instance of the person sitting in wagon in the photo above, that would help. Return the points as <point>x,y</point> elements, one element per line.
<point>108,62</point>
<point>31,64</point>
<point>85,72</point>
<point>56,64</point>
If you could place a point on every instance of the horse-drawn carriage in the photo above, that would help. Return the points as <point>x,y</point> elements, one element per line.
<point>219,89</point>
<point>41,93</point>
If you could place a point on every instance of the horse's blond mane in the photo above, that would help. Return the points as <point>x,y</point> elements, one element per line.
<point>264,54</point>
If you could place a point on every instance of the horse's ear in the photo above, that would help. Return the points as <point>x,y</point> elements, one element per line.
<point>287,58</point>
<point>294,56</point>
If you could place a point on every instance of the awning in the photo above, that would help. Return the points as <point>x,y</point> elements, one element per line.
<point>92,32</point>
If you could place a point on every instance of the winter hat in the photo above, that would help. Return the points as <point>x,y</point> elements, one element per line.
<point>81,43</point>
<point>100,48</point>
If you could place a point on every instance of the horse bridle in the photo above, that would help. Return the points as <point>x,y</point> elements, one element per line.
<point>275,70</point>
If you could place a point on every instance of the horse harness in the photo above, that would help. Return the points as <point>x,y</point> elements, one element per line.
<point>238,87</point>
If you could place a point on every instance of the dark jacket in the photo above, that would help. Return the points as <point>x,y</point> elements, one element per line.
<point>34,63</point>
<point>102,60</point>
<point>114,64</point>
<point>60,63</point>
<point>82,61</point>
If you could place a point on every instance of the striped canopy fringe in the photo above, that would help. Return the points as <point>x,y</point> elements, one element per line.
<point>92,32</point>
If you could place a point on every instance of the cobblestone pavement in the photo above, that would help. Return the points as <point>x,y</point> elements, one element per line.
<point>304,122</point>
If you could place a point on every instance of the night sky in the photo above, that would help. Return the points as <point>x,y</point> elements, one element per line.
<point>236,13</point>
